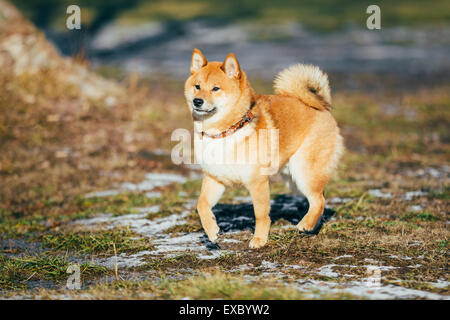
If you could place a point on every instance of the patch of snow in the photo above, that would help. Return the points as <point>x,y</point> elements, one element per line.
<point>190,203</point>
<point>412,194</point>
<point>138,222</point>
<point>99,194</point>
<point>370,260</point>
<point>363,289</point>
<point>377,193</point>
<point>153,194</point>
<point>151,209</point>
<point>406,258</point>
<point>226,240</point>
<point>414,243</point>
<point>124,261</point>
<point>165,244</point>
<point>242,199</point>
<point>343,256</point>
<point>242,267</point>
<point>101,218</point>
<point>212,254</point>
<point>153,180</point>
<point>437,173</point>
<point>327,271</point>
<point>440,284</point>
<point>294,266</point>
<point>269,265</point>
<point>339,200</point>
<point>393,256</point>
<point>415,208</point>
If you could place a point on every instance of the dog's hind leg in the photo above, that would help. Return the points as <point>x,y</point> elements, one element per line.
<point>311,167</point>
<point>210,194</point>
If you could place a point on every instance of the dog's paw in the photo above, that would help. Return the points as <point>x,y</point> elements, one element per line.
<point>306,229</point>
<point>213,233</point>
<point>257,242</point>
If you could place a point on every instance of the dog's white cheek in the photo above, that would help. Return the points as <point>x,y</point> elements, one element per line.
<point>223,104</point>
<point>189,96</point>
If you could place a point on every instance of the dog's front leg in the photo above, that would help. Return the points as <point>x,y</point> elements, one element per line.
<point>260,193</point>
<point>211,192</point>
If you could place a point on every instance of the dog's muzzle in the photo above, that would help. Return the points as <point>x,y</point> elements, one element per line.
<point>200,114</point>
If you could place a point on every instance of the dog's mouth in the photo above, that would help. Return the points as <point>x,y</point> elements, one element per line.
<point>201,114</point>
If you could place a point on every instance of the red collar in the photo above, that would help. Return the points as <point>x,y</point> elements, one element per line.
<point>249,116</point>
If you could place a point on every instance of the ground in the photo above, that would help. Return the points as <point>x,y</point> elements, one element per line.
<point>96,187</point>
<point>87,181</point>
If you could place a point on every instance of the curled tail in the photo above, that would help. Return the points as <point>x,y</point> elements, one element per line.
<point>306,82</point>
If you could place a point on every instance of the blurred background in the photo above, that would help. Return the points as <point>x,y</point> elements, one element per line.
<point>158,36</point>
<point>84,113</point>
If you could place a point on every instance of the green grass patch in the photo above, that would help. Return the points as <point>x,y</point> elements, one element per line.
<point>117,205</point>
<point>100,242</point>
<point>13,227</point>
<point>16,272</point>
<point>420,216</point>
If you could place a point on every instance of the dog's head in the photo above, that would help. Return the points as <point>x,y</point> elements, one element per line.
<point>214,90</point>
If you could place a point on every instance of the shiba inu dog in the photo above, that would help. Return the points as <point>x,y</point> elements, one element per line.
<point>228,115</point>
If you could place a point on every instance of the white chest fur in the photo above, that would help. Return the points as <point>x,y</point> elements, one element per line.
<point>224,159</point>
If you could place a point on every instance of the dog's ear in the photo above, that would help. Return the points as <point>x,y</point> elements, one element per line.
<point>198,61</point>
<point>231,67</point>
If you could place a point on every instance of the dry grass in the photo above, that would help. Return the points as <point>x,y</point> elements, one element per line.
<point>56,145</point>
<point>208,286</point>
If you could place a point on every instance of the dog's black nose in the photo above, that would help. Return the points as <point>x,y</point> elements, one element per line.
<point>198,102</point>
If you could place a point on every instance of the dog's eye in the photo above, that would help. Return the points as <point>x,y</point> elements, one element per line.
<point>197,86</point>
<point>215,89</point>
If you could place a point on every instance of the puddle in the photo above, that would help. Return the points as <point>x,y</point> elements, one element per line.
<point>20,247</point>
<point>239,217</point>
